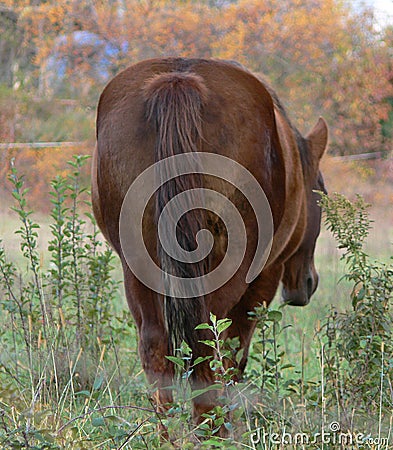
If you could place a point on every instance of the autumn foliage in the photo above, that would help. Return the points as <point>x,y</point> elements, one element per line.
<point>322,56</point>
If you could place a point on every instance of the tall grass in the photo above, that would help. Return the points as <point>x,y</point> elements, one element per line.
<point>58,327</point>
<point>70,375</point>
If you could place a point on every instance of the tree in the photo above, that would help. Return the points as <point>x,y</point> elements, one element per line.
<point>322,57</point>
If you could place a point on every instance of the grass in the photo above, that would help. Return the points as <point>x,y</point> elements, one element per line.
<point>60,391</point>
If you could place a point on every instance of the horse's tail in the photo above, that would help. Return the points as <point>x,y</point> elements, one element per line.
<point>174,101</point>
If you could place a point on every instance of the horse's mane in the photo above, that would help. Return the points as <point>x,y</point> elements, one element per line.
<point>301,142</point>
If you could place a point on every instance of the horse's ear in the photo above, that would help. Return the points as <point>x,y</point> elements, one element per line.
<point>317,139</point>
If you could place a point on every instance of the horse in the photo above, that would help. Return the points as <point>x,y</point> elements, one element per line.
<point>159,109</point>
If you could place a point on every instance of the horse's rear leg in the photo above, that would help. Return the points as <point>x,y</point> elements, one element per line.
<point>147,309</point>
<point>260,291</point>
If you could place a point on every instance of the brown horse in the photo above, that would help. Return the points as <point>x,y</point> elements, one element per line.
<point>161,108</point>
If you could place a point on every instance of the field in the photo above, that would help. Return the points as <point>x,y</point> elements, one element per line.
<point>70,376</point>
<point>319,377</point>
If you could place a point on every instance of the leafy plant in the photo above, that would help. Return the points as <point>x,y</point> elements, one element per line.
<point>359,343</point>
<point>61,317</point>
<point>267,349</point>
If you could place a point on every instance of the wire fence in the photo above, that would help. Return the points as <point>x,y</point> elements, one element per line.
<point>42,145</point>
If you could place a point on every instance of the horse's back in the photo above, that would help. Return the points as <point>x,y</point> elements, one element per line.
<point>239,111</point>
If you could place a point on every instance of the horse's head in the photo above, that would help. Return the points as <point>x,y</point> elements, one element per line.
<point>300,279</point>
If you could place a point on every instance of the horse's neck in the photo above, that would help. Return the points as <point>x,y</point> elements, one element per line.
<point>293,221</point>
